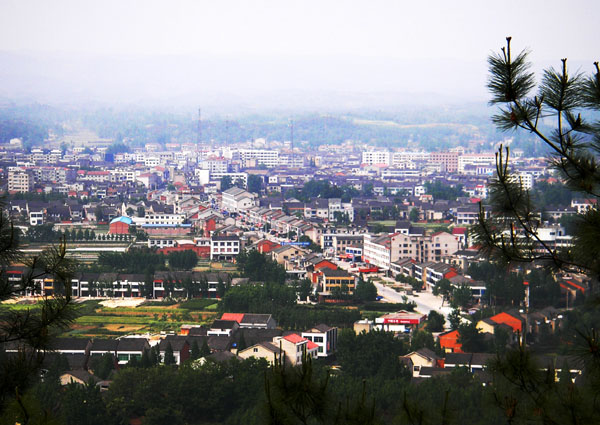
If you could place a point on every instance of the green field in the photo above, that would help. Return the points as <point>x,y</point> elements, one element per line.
<point>98,321</point>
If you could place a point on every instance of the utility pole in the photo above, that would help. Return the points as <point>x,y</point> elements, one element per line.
<point>292,141</point>
<point>199,135</point>
<point>526,283</point>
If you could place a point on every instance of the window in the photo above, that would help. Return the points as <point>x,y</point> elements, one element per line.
<point>318,339</point>
<point>255,350</point>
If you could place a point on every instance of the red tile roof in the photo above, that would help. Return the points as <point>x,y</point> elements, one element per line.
<point>294,338</point>
<point>237,317</point>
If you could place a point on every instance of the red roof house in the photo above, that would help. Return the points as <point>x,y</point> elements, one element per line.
<point>449,342</point>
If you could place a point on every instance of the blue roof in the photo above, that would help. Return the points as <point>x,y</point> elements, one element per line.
<point>122,219</point>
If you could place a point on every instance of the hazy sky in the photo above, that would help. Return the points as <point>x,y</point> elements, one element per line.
<point>162,48</point>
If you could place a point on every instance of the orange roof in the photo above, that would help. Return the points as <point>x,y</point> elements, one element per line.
<point>311,345</point>
<point>237,317</point>
<point>294,338</point>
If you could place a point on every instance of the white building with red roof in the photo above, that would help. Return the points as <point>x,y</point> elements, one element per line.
<point>293,346</point>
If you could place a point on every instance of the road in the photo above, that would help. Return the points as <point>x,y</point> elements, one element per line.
<point>425,301</point>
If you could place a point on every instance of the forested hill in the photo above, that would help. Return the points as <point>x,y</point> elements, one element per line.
<point>426,127</point>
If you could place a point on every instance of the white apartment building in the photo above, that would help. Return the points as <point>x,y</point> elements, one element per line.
<point>269,158</point>
<point>476,159</point>
<point>526,180</point>
<point>400,174</point>
<point>235,177</point>
<point>336,204</point>
<point>409,156</point>
<point>170,219</point>
<point>224,247</point>
<point>376,157</point>
<point>215,165</point>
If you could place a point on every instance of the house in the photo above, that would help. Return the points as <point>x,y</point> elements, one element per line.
<point>120,226</point>
<point>423,357</point>
<point>129,348</point>
<point>251,321</point>
<point>449,342</point>
<point>75,346</point>
<point>331,279</point>
<point>325,337</point>
<point>103,346</point>
<point>472,361</point>
<point>81,377</point>
<point>514,320</point>
<point>223,328</point>
<point>235,200</point>
<point>224,248</point>
<point>287,253</point>
<point>364,325</point>
<point>180,346</point>
<point>293,346</point>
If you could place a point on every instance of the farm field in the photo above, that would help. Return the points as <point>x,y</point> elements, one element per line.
<point>96,320</point>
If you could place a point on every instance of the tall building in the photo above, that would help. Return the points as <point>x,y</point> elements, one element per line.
<point>255,157</point>
<point>20,180</point>
<point>376,157</point>
<point>448,159</point>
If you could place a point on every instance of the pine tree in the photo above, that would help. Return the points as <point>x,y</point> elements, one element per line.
<point>205,350</point>
<point>195,354</point>
<point>507,231</point>
<point>242,345</point>
<point>145,361</point>
<point>30,330</point>
<point>169,356</point>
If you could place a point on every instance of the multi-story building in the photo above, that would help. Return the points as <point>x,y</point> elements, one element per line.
<point>325,337</point>
<point>224,247</point>
<point>255,157</point>
<point>235,200</point>
<point>376,157</point>
<point>476,160</point>
<point>448,159</point>
<point>330,279</point>
<point>20,180</point>
<point>382,251</point>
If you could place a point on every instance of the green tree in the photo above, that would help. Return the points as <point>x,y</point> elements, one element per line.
<point>422,339</point>
<point>365,291</point>
<point>435,321</point>
<point>99,212</point>
<point>414,215</point>
<point>195,352</point>
<point>461,297</point>
<point>83,404</point>
<point>169,356</point>
<point>304,289</point>
<point>444,288</point>
<point>205,349</point>
<point>454,319</point>
<point>129,211</point>
<point>226,183</point>
<point>103,365</point>
<point>30,329</point>
<point>471,338</point>
<point>509,232</point>
<point>255,183</point>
